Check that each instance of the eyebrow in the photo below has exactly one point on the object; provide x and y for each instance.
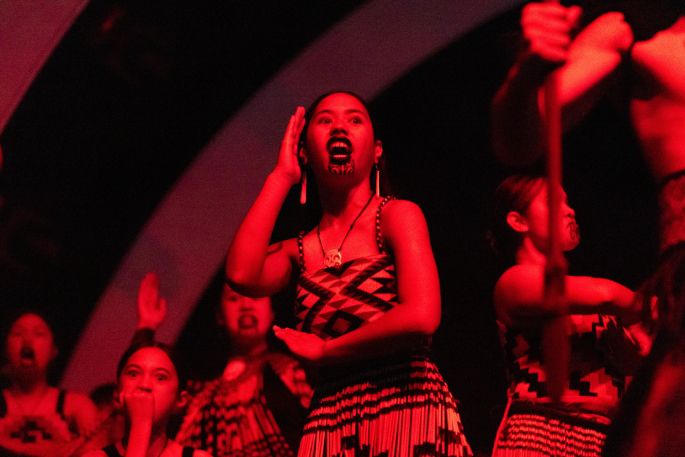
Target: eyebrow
(347, 111)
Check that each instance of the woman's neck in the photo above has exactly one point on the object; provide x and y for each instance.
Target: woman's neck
(28, 386)
(249, 351)
(339, 205)
(157, 443)
(529, 254)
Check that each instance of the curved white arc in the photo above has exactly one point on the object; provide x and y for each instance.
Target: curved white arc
(30, 30)
(186, 238)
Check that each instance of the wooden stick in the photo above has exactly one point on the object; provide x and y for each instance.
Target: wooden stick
(555, 343)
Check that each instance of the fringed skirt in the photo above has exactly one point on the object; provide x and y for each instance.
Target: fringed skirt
(542, 432)
(223, 422)
(392, 408)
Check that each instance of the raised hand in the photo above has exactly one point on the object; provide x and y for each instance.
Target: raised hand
(306, 346)
(151, 307)
(547, 29)
(288, 164)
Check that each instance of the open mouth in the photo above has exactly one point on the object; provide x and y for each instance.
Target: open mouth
(247, 321)
(27, 355)
(339, 150)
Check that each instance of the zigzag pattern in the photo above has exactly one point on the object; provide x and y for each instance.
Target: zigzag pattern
(333, 301)
(592, 375)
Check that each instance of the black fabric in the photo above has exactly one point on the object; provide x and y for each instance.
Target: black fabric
(285, 407)
(61, 397)
(111, 451)
(143, 336)
(3, 404)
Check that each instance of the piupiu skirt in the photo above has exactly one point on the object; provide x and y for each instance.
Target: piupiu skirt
(393, 407)
(532, 431)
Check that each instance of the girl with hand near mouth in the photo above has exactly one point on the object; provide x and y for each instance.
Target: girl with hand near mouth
(368, 295)
(37, 419)
(149, 390)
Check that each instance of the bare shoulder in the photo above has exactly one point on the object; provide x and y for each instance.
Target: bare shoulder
(519, 283)
(76, 403)
(400, 213)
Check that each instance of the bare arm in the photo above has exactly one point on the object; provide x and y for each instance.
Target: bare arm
(253, 267)
(82, 410)
(585, 64)
(416, 316)
(519, 295)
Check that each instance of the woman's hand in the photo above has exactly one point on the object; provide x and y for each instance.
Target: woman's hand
(151, 307)
(306, 346)
(288, 165)
(547, 30)
(140, 406)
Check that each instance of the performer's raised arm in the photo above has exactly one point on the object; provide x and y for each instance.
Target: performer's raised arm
(586, 62)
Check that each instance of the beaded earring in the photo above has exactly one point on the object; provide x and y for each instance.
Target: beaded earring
(378, 179)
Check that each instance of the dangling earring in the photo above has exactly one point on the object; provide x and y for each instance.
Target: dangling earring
(303, 187)
(378, 179)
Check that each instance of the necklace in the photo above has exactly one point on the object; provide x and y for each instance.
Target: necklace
(333, 257)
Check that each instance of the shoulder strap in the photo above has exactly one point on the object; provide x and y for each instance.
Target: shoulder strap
(187, 451)
(379, 210)
(61, 397)
(300, 250)
(111, 451)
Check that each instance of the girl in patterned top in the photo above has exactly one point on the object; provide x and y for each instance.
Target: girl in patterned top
(368, 295)
(603, 352)
(37, 419)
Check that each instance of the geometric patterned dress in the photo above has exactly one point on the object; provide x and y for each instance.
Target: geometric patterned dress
(603, 356)
(398, 405)
(238, 418)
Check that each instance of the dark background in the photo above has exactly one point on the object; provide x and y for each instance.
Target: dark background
(136, 89)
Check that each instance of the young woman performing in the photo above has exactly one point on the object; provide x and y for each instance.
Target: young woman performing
(603, 353)
(368, 295)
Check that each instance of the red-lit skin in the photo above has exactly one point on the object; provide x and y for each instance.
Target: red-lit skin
(149, 392)
(247, 321)
(587, 65)
(246, 339)
(28, 383)
(151, 306)
(519, 291)
(255, 268)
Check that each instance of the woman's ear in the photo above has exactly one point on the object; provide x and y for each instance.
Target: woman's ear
(378, 151)
(302, 153)
(517, 222)
(183, 400)
(118, 399)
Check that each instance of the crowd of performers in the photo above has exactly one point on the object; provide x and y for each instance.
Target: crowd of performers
(368, 295)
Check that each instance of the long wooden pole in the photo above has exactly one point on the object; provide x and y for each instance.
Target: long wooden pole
(555, 343)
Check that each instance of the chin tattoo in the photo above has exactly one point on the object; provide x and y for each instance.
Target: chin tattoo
(341, 169)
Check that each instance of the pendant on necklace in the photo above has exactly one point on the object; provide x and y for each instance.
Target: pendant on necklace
(333, 258)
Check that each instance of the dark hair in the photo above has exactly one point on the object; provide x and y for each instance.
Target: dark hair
(515, 193)
(168, 350)
(103, 394)
(309, 113)
(385, 184)
(667, 284)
